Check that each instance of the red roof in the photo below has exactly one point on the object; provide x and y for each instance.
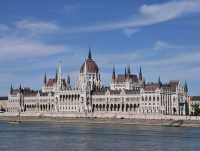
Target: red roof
(51, 82)
(195, 98)
(173, 85)
(151, 87)
(90, 65)
(123, 78)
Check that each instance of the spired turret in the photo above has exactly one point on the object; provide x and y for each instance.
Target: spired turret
(113, 73)
(68, 80)
(125, 73)
(129, 70)
(140, 74)
(159, 82)
(45, 79)
(186, 87)
(11, 89)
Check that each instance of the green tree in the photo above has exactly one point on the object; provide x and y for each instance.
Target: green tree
(196, 109)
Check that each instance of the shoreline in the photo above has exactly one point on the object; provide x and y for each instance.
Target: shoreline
(113, 121)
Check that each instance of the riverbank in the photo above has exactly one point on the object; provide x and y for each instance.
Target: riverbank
(67, 120)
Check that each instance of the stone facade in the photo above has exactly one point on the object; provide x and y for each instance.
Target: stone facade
(128, 94)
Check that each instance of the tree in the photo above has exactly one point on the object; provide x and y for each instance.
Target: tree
(196, 110)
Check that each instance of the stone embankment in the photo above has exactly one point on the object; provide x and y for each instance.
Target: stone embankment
(102, 118)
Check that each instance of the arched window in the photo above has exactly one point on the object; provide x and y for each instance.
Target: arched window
(97, 107)
(93, 107)
(107, 107)
(111, 107)
(118, 107)
(104, 107)
(127, 107)
(115, 107)
(122, 107)
(150, 98)
(100, 107)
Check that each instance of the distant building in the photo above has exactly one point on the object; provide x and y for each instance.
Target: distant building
(128, 93)
(3, 103)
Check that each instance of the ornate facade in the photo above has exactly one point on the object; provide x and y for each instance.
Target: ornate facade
(127, 93)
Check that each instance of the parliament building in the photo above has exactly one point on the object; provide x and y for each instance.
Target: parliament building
(128, 93)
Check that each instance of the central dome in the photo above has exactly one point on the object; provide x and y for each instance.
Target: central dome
(91, 65)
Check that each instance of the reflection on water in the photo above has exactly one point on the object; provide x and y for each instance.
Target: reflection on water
(96, 137)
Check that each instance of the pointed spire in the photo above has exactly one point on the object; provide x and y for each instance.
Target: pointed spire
(68, 80)
(140, 74)
(56, 77)
(45, 78)
(113, 73)
(60, 69)
(20, 88)
(159, 82)
(129, 69)
(58, 72)
(185, 87)
(89, 54)
(125, 73)
(11, 89)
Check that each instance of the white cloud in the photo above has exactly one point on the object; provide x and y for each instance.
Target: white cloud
(13, 48)
(130, 31)
(37, 27)
(176, 60)
(148, 15)
(160, 45)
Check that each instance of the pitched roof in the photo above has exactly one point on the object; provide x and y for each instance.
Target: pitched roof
(51, 82)
(173, 85)
(29, 92)
(195, 98)
(122, 78)
(151, 87)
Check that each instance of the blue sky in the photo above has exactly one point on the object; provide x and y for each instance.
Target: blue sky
(163, 36)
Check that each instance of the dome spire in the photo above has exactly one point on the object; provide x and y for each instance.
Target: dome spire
(89, 54)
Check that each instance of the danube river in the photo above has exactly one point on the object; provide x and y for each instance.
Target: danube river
(96, 137)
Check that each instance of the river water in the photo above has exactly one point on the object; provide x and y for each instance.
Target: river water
(96, 137)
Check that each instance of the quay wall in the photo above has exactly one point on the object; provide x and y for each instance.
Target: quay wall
(102, 115)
